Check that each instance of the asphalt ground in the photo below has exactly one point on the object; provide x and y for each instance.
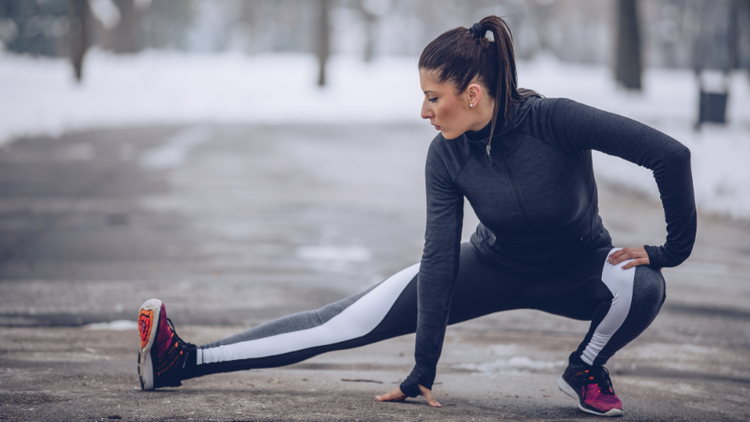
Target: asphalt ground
(234, 225)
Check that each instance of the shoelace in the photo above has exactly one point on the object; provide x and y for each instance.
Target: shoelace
(598, 375)
(181, 341)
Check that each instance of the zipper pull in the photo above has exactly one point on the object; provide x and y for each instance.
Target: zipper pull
(489, 157)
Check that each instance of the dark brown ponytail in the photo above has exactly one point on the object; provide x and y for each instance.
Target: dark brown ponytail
(459, 56)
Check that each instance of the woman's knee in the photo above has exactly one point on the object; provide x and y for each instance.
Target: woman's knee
(649, 288)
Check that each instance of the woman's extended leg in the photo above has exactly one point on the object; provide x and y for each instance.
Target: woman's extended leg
(386, 310)
(383, 311)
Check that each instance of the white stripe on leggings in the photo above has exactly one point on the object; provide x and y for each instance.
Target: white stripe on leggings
(355, 321)
(620, 283)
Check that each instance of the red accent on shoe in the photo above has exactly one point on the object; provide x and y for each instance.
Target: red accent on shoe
(163, 334)
(145, 322)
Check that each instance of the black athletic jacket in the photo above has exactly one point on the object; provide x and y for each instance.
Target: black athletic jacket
(536, 198)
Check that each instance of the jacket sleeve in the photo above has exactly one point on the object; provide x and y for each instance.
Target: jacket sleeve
(579, 128)
(437, 272)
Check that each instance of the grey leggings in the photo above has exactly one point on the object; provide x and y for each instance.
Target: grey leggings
(620, 304)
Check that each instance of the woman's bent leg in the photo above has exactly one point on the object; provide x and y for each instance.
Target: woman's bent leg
(638, 295)
(620, 304)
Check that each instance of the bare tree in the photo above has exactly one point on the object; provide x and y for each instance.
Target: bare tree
(372, 11)
(124, 40)
(628, 65)
(370, 27)
(743, 35)
(322, 38)
(79, 35)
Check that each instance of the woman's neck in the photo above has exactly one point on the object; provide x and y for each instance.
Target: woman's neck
(478, 135)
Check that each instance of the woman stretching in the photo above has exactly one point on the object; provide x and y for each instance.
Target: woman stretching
(524, 164)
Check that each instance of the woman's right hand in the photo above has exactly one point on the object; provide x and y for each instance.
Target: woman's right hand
(397, 395)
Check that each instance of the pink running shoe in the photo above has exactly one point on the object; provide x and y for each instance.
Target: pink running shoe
(591, 386)
(163, 353)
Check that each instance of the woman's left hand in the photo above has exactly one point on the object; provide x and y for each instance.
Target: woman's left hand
(638, 256)
(397, 395)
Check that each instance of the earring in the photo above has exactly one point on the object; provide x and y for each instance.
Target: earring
(471, 105)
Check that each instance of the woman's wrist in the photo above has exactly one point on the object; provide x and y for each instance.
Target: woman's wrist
(411, 389)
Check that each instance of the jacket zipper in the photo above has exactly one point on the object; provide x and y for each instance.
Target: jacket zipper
(489, 156)
(516, 191)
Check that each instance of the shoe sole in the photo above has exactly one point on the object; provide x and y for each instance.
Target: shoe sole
(567, 389)
(145, 363)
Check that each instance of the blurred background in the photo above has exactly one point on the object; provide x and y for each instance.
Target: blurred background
(694, 34)
(679, 65)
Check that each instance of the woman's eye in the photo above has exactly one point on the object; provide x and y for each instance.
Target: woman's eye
(433, 99)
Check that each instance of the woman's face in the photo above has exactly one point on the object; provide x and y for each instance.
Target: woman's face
(448, 112)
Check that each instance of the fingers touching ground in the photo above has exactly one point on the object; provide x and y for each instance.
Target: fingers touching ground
(397, 395)
(427, 393)
(393, 395)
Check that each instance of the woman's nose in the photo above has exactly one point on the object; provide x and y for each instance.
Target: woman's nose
(426, 112)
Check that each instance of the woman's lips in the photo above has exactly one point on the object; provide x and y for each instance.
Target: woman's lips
(437, 127)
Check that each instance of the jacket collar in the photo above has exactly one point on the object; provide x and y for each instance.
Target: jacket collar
(481, 138)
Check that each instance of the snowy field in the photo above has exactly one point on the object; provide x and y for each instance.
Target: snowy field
(39, 97)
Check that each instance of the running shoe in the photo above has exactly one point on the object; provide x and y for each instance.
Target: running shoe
(591, 386)
(163, 353)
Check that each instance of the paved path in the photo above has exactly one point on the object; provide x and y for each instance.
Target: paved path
(234, 225)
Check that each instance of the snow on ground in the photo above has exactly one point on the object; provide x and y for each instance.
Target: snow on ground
(39, 96)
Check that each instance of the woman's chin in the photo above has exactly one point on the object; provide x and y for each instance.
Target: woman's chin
(447, 134)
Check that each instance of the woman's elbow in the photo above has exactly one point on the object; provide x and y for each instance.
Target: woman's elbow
(681, 153)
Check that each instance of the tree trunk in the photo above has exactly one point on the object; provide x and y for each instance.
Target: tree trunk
(742, 35)
(79, 15)
(322, 38)
(370, 28)
(628, 65)
(125, 31)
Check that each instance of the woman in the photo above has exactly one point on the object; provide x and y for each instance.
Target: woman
(524, 163)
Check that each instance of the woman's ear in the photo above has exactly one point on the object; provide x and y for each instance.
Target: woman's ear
(474, 92)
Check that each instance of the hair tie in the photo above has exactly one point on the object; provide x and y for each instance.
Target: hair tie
(478, 30)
